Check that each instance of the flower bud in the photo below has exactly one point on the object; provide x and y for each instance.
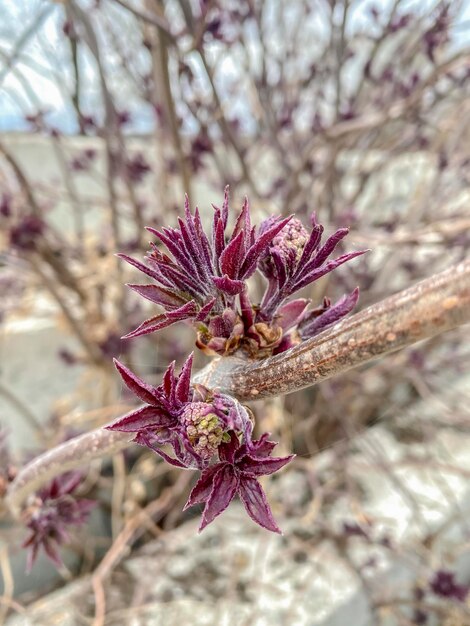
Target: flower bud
(292, 237)
(288, 244)
(204, 428)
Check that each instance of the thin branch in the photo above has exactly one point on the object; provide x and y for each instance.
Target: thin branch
(220, 110)
(160, 61)
(132, 530)
(377, 119)
(22, 180)
(69, 182)
(339, 47)
(69, 455)
(63, 272)
(24, 39)
(225, 126)
(150, 18)
(89, 347)
(22, 409)
(399, 108)
(9, 582)
(434, 305)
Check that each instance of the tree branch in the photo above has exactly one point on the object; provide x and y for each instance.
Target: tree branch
(430, 307)
(67, 456)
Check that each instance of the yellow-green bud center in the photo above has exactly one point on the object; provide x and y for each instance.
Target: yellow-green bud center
(203, 428)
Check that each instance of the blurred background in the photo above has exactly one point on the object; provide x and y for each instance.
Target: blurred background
(111, 110)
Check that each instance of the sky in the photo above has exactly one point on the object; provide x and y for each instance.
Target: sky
(33, 80)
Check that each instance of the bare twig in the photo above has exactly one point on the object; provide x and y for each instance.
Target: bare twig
(24, 39)
(160, 59)
(90, 348)
(376, 119)
(8, 582)
(150, 18)
(75, 200)
(22, 180)
(132, 530)
(22, 408)
(67, 456)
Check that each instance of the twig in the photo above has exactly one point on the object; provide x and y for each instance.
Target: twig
(220, 114)
(118, 493)
(22, 180)
(90, 348)
(8, 583)
(339, 47)
(62, 271)
(225, 126)
(133, 528)
(150, 18)
(22, 408)
(25, 38)
(399, 108)
(160, 62)
(395, 111)
(436, 233)
(75, 200)
(69, 455)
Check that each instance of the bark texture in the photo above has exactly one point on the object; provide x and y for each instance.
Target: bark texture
(424, 310)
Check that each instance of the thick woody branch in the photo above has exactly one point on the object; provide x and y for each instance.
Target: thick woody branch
(426, 309)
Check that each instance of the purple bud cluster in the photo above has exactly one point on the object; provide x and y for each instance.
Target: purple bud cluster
(24, 230)
(50, 514)
(136, 168)
(444, 585)
(204, 281)
(193, 428)
(204, 429)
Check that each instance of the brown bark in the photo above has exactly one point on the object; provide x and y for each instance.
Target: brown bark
(430, 307)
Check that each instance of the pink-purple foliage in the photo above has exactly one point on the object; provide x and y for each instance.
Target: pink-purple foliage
(443, 584)
(206, 431)
(237, 472)
(55, 508)
(204, 281)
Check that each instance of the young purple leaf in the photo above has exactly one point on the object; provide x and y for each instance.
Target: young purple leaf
(49, 518)
(314, 324)
(224, 487)
(256, 504)
(237, 472)
(203, 279)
